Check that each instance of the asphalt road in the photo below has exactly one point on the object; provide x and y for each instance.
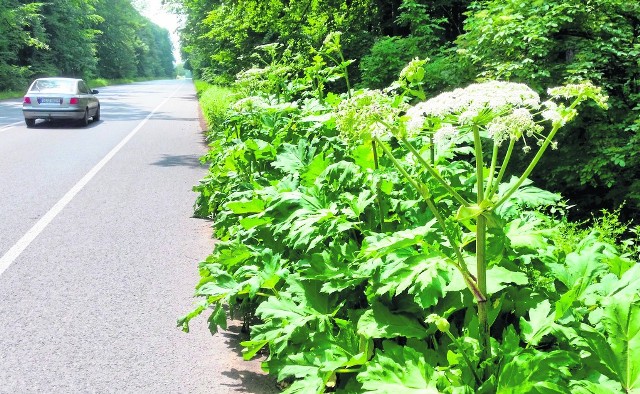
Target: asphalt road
(99, 252)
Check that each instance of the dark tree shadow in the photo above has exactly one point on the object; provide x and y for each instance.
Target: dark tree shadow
(191, 161)
(248, 381)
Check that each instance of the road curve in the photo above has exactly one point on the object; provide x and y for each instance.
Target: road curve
(99, 252)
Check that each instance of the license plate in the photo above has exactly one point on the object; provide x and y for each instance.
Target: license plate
(49, 100)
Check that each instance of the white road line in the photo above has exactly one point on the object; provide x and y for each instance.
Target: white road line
(9, 126)
(48, 217)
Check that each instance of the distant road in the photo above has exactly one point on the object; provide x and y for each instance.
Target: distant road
(99, 252)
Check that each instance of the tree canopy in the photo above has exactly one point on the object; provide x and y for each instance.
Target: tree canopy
(542, 43)
(79, 38)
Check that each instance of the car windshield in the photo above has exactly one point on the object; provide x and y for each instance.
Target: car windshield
(54, 86)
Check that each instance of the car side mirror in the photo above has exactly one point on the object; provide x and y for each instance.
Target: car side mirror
(94, 91)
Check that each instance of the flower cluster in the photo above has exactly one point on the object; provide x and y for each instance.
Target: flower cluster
(515, 125)
(581, 91)
(258, 103)
(475, 104)
(249, 103)
(368, 114)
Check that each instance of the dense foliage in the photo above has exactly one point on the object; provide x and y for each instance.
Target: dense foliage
(79, 38)
(541, 43)
(373, 241)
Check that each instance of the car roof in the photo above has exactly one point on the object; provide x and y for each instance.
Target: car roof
(57, 79)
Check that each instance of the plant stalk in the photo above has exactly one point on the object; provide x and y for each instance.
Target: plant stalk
(469, 279)
(481, 238)
(434, 173)
(503, 169)
(531, 165)
(378, 191)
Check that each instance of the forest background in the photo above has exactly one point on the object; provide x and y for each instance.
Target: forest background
(88, 39)
(541, 43)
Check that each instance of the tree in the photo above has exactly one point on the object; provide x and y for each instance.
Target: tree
(546, 43)
(21, 31)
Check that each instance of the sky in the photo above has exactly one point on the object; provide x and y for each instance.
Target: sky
(154, 10)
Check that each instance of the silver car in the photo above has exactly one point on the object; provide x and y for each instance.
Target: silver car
(60, 98)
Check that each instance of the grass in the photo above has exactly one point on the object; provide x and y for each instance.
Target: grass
(214, 101)
(10, 95)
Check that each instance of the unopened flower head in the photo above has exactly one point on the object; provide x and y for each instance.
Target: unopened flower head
(249, 103)
(413, 72)
(445, 134)
(552, 113)
(331, 42)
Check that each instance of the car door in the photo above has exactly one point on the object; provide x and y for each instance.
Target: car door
(87, 97)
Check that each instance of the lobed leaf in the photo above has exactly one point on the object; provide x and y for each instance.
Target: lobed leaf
(381, 322)
(398, 369)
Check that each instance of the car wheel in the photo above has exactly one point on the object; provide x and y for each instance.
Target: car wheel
(85, 120)
(96, 116)
(30, 122)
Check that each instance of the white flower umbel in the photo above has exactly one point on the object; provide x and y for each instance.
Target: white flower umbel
(514, 125)
(477, 104)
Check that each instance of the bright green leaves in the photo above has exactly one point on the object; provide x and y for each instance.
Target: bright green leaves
(540, 323)
(580, 270)
(622, 324)
(380, 322)
(398, 369)
(361, 261)
(614, 352)
(423, 276)
(532, 371)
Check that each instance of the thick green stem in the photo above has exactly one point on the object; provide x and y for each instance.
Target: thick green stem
(378, 191)
(432, 150)
(481, 236)
(346, 75)
(531, 165)
(434, 173)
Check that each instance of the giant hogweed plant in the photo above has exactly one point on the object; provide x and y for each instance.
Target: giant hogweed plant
(501, 113)
(362, 261)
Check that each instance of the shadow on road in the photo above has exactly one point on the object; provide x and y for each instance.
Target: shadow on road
(191, 161)
(250, 380)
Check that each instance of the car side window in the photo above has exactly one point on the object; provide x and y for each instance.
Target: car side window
(82, 87)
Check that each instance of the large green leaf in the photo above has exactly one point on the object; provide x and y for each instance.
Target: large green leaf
(580, 270)
(529, 195)
(424, 276)
(527, 233)
(293, 158)
(540, 323)
(614, 347)
(532, 371)
(622, 323)
(316, 167)
(380, 322)
(396, 369)
(242, 207)
(381, 244)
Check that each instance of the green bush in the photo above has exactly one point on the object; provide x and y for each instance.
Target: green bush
(215, 101)
(387, 57)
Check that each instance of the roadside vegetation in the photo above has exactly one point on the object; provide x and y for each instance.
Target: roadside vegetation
(416, 227)
(90, 39)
